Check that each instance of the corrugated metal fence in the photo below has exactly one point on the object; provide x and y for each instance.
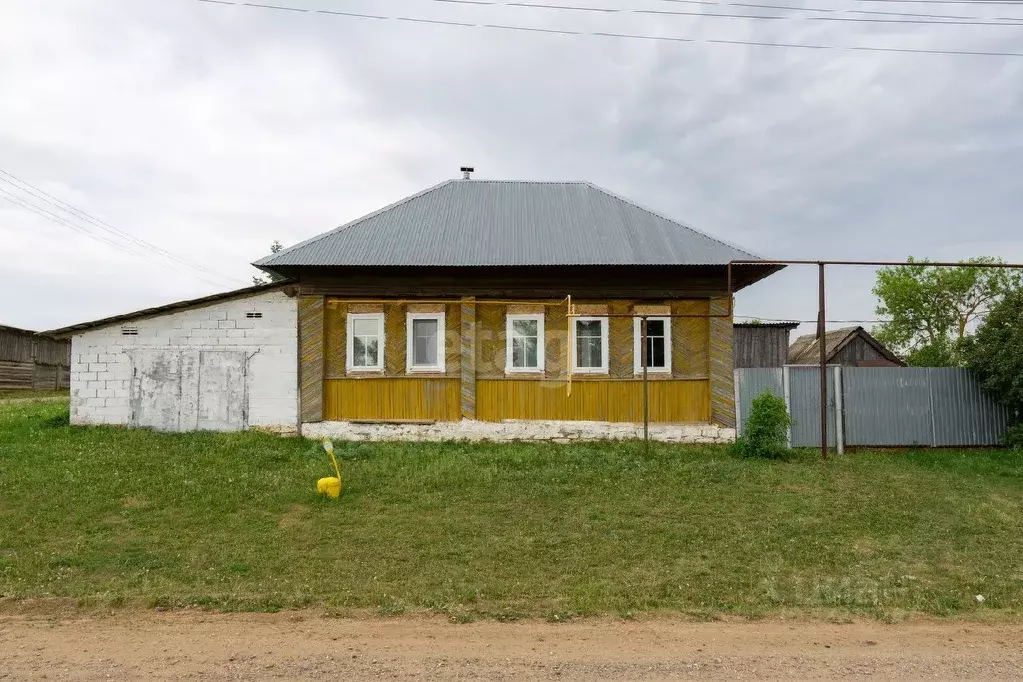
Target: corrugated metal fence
(880, 406)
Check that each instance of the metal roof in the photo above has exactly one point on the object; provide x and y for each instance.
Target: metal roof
(166, 308)
(500, 223)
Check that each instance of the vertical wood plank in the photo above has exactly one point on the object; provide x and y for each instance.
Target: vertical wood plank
(310, 326)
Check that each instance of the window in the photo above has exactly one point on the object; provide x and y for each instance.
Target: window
(589, 345)
(365, 343)
(425, 332)
(525, 341)
(658, 344)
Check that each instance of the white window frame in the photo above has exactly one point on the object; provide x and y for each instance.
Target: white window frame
(410, 341)
(637, 346)
(540, 343)
(576, 369)
(350, 343)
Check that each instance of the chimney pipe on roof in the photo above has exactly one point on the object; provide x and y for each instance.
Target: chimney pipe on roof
(467, 172)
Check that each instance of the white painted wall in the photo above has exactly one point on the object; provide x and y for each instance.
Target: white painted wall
(104, 360)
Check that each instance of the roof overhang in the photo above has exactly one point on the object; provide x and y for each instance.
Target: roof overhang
(65, 332)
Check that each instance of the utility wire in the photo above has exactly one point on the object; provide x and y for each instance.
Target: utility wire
(711, 15)
(602, 34)
(79, 214)
(54, 218)
(829, 10)
(1004, 3)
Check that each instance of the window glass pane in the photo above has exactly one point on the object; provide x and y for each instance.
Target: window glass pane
(358, 352)
(588, 344)
(655, 351)
(588, 351)
(524, 327)
(365, 327)
(424, 342)
(524, 352)
(584, 328)
(655, 327)
(372, 346)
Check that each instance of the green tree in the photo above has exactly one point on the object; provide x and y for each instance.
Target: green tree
(995, 355)
(931, 310)
(266, 279)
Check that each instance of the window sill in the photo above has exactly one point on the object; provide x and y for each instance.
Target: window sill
(425, 370)
(532, 371)
(367, 371)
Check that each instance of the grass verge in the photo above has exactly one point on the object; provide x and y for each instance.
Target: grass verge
(231, 521)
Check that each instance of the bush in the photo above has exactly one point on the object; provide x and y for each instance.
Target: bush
(765, 433)
(1014, 437)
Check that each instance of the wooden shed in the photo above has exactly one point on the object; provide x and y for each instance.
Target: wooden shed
(849, 347)
(28, 360)
(761, 344)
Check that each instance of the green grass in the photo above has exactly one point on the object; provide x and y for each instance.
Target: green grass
(231, 521)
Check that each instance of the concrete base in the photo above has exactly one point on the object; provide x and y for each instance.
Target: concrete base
(554, 431)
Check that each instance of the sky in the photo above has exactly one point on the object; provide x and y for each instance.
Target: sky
(207, 131)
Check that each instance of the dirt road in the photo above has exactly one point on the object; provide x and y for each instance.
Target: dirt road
(308, 645)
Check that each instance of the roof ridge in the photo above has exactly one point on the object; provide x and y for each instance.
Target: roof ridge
(353, 223)
(672, 220)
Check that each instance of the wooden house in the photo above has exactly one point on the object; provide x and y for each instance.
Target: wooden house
(761, 344)
(849, 347)
(31, 361)
(477, 309)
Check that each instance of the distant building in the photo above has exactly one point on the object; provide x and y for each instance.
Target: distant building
(761, 344)
(31, 361)
(849, 347)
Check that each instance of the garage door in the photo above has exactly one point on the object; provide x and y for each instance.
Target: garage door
(188, 390)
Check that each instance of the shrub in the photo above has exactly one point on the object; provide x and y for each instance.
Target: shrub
(765, 433)
(1014, 437)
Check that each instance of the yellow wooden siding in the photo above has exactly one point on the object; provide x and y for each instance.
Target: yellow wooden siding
(617, 401)
(335, 319)
(620, 341)
(690, 340)
(685, 397)
(387, 398)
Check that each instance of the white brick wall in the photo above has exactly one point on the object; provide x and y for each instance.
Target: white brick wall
(102, 359)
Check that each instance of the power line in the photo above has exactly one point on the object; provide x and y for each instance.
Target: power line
(603, 34)
(54, 218)
(813, 321)
(79, 214)
(1004, 3)
(979, 21)
(831, 10)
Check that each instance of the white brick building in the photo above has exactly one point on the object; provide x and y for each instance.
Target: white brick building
(224, 362)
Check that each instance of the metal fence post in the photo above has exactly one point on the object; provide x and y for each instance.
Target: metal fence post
(839, 412)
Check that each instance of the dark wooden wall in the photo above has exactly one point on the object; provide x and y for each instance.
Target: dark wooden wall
(31, 361)
(760, 346)
(858, 352)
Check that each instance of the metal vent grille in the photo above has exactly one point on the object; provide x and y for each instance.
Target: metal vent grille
(129, 331)
(253, 315)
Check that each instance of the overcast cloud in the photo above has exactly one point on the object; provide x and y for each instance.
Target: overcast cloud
(211, 130)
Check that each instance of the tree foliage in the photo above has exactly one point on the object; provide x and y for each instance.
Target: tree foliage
(266, 279)
(933, 309)
(995, 355)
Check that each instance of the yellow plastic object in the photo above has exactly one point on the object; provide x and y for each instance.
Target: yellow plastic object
(330, 485)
